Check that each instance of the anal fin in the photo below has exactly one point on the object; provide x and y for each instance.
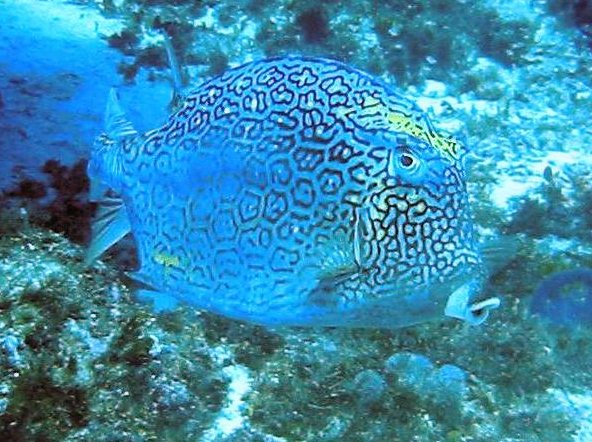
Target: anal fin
(161, 302)
(111, 223)
(97, 190)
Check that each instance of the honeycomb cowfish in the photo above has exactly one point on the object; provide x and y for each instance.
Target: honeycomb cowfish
(294, 191)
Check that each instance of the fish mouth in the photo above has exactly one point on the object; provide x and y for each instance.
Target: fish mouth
(458, 305)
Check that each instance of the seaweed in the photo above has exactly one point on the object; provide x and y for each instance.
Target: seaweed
(79, 359)
(576, 13)
(40, 410)
(126, 41)
(551, 212)
(28, 188)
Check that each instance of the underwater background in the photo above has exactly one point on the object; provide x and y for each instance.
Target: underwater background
(82, 359)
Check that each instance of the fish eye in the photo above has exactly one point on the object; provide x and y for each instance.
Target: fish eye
(406, 160)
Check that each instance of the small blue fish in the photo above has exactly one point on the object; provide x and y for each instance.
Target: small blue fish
(294, 191)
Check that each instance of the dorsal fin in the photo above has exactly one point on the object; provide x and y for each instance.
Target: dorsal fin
(178, 95)
(111, 223)
(117, 125)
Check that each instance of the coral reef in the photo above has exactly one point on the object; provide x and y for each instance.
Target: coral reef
(552, 210)
(339, 385)
(369, 387)
(415, 43)
(80, 360)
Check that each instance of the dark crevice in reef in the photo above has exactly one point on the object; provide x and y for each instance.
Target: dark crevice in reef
(313, 25)
(70, 212)
(59, 203)
(65, 408)
(575, 12)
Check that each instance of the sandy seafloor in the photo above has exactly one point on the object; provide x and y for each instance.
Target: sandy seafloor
(55, 72)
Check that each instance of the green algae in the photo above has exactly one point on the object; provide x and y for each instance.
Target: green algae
(87, 358)
(301, 398)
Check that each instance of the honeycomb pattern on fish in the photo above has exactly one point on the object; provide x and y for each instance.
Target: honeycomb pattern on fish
(297, 181)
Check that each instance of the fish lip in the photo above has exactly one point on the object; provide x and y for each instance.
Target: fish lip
(458, 305)
(480, 310)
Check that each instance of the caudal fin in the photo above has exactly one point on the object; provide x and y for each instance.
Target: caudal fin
(111, 223)
(117, 126)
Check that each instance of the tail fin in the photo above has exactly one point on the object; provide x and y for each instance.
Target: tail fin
(110, 224)
(105, 171)
(117, 125)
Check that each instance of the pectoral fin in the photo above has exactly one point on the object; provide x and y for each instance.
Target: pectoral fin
(336, 257)
(332, 263)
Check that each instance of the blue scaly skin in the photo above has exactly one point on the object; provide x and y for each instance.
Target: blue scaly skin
(298, 191)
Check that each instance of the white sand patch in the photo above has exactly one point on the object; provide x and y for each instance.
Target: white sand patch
(579, 406)
(509, 187)
(55, 19)
(231, 417)
(511, 184)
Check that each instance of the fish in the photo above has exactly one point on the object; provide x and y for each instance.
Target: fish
(293, 191)
(565, 297)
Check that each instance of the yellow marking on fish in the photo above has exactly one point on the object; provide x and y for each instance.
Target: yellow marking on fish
(402, 123)
(448, 146)
(167, 260)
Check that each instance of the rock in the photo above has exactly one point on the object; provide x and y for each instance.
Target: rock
(9, 348)
(450, 383)
(369, 386)
(412, 371)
